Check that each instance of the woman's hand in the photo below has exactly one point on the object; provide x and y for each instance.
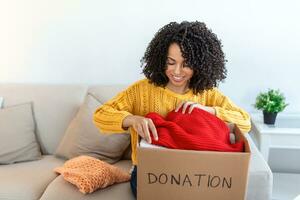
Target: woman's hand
(141, 125)
(192, 105)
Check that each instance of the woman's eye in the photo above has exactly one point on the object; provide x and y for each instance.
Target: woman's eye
(170, 63)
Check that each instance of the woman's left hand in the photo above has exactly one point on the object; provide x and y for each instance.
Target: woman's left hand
(192, 105)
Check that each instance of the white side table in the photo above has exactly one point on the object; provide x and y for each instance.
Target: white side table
(284, 134)
(297, 197)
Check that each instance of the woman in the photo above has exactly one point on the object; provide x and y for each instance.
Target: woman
(183, 64)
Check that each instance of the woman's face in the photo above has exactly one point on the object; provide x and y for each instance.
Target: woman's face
(177, 70)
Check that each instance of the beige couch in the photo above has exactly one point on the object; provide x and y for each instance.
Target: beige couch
(54, 107)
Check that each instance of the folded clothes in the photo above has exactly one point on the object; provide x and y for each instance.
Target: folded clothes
(199, 130)
(90, 174)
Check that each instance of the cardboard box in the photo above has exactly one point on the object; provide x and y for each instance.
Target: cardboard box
(185, 174)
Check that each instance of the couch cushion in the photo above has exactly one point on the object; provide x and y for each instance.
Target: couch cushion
(83, 138)
(17, 132)
(54, 106)
(60, 189)
(127, 154)
(27, 180)
(105, 92)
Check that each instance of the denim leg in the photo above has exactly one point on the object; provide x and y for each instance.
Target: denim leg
(133, 181)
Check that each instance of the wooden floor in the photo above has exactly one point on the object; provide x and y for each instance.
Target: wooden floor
(286, 186)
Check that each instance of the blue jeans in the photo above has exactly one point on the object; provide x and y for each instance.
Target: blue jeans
(133, 181)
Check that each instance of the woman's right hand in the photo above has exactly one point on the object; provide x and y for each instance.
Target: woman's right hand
(142, 126)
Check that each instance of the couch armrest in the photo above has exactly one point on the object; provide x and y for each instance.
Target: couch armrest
(260, 181)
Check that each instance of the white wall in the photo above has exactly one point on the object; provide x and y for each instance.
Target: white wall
(71, 41)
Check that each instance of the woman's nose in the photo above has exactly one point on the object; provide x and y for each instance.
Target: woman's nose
(177, 69)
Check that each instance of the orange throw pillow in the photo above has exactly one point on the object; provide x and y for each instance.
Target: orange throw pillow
(90, 174)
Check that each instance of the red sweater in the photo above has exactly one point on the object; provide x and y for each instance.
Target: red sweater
(199, 130)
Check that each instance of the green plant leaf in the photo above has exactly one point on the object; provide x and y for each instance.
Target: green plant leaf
(272, 101)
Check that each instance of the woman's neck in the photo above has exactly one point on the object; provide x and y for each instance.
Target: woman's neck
(178, 90)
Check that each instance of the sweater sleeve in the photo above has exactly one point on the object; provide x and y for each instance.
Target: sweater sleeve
(108, 118)
(228, 111)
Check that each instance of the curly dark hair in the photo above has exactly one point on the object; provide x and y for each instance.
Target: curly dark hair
(200, 48)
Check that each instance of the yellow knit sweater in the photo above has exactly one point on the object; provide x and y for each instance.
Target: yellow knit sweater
(143, 97)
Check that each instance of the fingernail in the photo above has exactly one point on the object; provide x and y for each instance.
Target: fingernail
(156, 138)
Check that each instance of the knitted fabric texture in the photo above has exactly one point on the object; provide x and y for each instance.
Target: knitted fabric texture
(199, 130)
(144, 97)
(90, 174)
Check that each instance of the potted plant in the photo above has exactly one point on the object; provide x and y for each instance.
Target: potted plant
(271, 103)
